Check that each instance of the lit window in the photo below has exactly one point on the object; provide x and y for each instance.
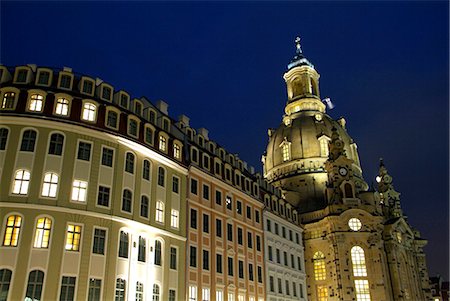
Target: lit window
(79, 190)
(159, 212)
(73, 237)
(34, 286)
(62, 107)
(139, 291)
(21, 182)
(177, 151)
(174, 223)
(362, 290)
(36, 102)
(192, 293)
(358, 262)
(89, 111)
(56, 144)
(162, 143)
(120, 289)
(285, 152)
(158, 252)
(324, 147)
(219, 295)
(205, 294)
(50, 186)
(354, 224)
(8, 100)
(28, 141)
(322, 293)
(42, 235)
(111, 119)
(319, 266)
(12, 231)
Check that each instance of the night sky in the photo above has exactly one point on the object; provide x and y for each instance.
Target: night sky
(384, 65)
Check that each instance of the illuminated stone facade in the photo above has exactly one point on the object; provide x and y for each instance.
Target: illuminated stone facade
(358, 244)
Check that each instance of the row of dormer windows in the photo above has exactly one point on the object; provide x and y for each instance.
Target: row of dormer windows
(281, 208)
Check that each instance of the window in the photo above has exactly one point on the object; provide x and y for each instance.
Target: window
(158, 251)
(12, 231)
(89, 111)
(159, 217)
(146, 170)
(259, 274)
(319, 266)
(103, 196)
(106, 93)
(278, 256)
(324, 147)
(358, 262)
(34, 286)
(123, 244)
(290, 235)
(230, 266)
(162, 143)
(8, 100)
(239, 232)
(249, 240)
(280, 288)
(98, 246)
(62, 107)
(205, 161)
(297, 238)
(173, 258)
(205, 260)
(283, 231)
(219, 263)
(258, 243)
(218, 228)
(294, 289)
(67, 289)
(95, 289)
(285, 257)
(155, 292)
(148, 135)
(194, 155)
(354, 224)
(28, 141)
(139, 291)
(206, 192)
(129, 163)
(229, 202)
(36, 103)
(276, 229)
(87, 86)
(192, 293)
(172, 295)
(193, 218)
(84, 151)
(112, 119)
(270, 253)
(42, 233)
(124, 100)
(271, 284)
(230, 232)
(249, 212)
(219, 295)
(107, 156)
(144, 206)
(161, 176)
(239, 207)
(73, 237)
(205, 223)
(176, 151)
(79, 191)
(166, 124)
(285, 152)
(174, 221)
(292, 261)
(362, 290)
(132, 127)
(299, 263)
(250, 272)
(287, 287)
(50, 186)
(141, 249)
(175, 184)
(43, 77)
(218, 197)
(3, 138)
(5, 281)
(56, 144)
(65, 81)
(126, 200)
(205, 294)
(21, 182)
(241, 269)
(268, 225)
(194, 186)
(193, 256)
(322, 293)
(120, 289)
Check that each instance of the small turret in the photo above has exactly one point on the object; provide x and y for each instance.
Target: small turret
(389, 196)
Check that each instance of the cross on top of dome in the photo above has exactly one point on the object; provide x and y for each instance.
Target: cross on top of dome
(297, 45)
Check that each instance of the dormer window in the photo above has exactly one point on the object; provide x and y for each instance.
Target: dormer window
(87, 87)
(112, 118)
(89, 111)
(200, 140)
(162, 143)
(62, 106)
(43, 78)
(138, 108)
(106, 93)
(132, 127)
(65, 81)
(124, 100)
(177, 151)
(36, 103)
(22, 76)
(286, 150)
(166, 124)
(8, 101)
(152, 116)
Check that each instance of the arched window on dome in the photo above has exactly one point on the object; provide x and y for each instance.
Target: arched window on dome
(285, 150)
(324, 150)
(313, 87)
(359, 272)
(319, 266)
(348, 190)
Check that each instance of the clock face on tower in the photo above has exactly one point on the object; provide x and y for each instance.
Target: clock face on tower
(343, 171)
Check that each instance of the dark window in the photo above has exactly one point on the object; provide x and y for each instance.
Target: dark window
(271, 284)
(276, 229)
(158, 247)
(146, 170)
(28, 141)
(229, 203)
(165, 125)
(239, 207)
(297, 238)
(22, 76)
(133, 127)
(290, 235)
(206, 192)
(280, 289)
(141, 249)
(67, 289)
(241, 268)
(285, 257)
(287, 287)
(270, 253)
(230, 266)
(299, 263)
(87, 86)
(205, 223)
(103, 196)
(123, 244)
(278, 256)
(144, 206)
(5, 281)
(95, 286)
(268, 225)
(66, 81)
(206, 260)
(219, 263)
(129, 163)
(124, 100)
(175, 184)
(120, 289)
(217, 168)
(137, 108)
(84, 151)
(348, 190)
(194, 186)
(34, 287)
(111, 119)
(56, 144)
(161, 176)
(193, 219)
(193, 257)
(98, 246)
(194, 155)
(173, 258)
(218, 228)
(283, 231)
(250, 272)
(148, 135)
(218, 197)
(239, 235)
(126, 200)
(106, 93)
(257, 216)
(258, 243)
(249, 240)
(152, 117)
(230, 232)
(206, 162)
(292, 261)
(107, 156)
(3, 138)
(44, 77)
(249, 212)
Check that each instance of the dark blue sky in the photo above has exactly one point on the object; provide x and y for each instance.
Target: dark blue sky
(384, 65)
